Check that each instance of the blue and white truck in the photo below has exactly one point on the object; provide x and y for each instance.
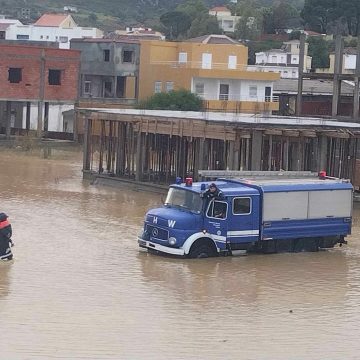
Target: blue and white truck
(258, 214)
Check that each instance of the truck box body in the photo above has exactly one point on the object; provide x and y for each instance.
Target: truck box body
(266, 215)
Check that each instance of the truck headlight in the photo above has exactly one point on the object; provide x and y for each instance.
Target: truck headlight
(172, 241)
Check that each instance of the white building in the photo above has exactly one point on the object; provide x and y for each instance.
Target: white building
(60, 28)
(284, 61)
(227, 22)
(348, 63)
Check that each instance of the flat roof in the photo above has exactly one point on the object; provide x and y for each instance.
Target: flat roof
(234, 118)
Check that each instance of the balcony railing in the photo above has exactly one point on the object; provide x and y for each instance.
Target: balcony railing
(201, 65)
(234, 97)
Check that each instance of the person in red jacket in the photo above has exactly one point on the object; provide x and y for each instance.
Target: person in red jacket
(5, 238)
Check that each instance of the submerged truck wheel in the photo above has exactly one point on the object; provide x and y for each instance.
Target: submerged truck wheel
(202, 248)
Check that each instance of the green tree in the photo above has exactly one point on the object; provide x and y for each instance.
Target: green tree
(350, 12)
(250, 23)
(176, 23)
(319, 14)
(204, 24)
(182, 100)
(193, 8)
(319, 51)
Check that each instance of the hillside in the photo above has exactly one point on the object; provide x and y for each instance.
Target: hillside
(109, 14)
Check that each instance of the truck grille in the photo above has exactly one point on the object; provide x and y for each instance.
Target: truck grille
(156, 232)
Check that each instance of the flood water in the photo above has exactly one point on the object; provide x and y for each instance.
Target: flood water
(80, 289)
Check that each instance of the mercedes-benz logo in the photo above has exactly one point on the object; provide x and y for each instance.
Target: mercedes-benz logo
(155, 232)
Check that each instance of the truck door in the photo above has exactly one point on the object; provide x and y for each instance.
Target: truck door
(215, 221)
(243, 220)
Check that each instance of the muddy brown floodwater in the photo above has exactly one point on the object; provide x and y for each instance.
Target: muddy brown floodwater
(80, 289)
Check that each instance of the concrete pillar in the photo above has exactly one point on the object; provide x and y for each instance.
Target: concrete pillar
(46, 117)
(8, 120)
(339, 49)
(256, 150)
(322, 153)
(200, 159)
(40, 121)
(41, 94)
(138, 172)
(357, 79)
(28, 115)
(301, 71)
(237, 154)
(87, 145)
(230, 159)
(285, 163)
(270, 152)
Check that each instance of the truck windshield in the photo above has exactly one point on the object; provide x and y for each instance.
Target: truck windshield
(184, 199)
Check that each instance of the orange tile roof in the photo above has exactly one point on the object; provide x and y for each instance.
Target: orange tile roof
(51, 20)
(220, 8)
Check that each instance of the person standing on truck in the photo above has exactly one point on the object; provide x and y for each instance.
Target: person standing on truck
(213, 192)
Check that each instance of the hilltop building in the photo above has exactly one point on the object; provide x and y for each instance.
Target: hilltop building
(59, 28)
(227, 22)
(284, 60)
(348, 62)
(139, 33)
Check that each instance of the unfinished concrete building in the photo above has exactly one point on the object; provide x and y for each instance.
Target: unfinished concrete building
(109, 71)
(36, 85)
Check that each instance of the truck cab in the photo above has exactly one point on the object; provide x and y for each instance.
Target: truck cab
(189, 225)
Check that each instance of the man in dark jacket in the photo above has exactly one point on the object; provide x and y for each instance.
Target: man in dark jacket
(5, 238)
(213, 192)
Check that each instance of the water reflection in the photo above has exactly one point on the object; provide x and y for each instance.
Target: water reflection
(5, 269)
(288, 278)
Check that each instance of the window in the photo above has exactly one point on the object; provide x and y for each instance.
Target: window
(108, 89)
(158, 87)
(41, 37)
(217, 209)
(253, 91)
(200, 89)
(15, 75)
(241, 206)
(2, 35)
(106, 55)
(22, 37)
(206, 61)
(54, 77)
(128, 56)
(87, 87)
(224, 92)
(182, 57)
(232, 62)
(169, 86)
(63, 39)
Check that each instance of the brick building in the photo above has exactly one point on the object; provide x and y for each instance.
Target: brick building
(36, 85)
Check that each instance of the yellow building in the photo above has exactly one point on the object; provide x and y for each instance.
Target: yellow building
(212, 66)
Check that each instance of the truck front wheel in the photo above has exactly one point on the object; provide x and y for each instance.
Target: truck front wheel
(202, 250)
